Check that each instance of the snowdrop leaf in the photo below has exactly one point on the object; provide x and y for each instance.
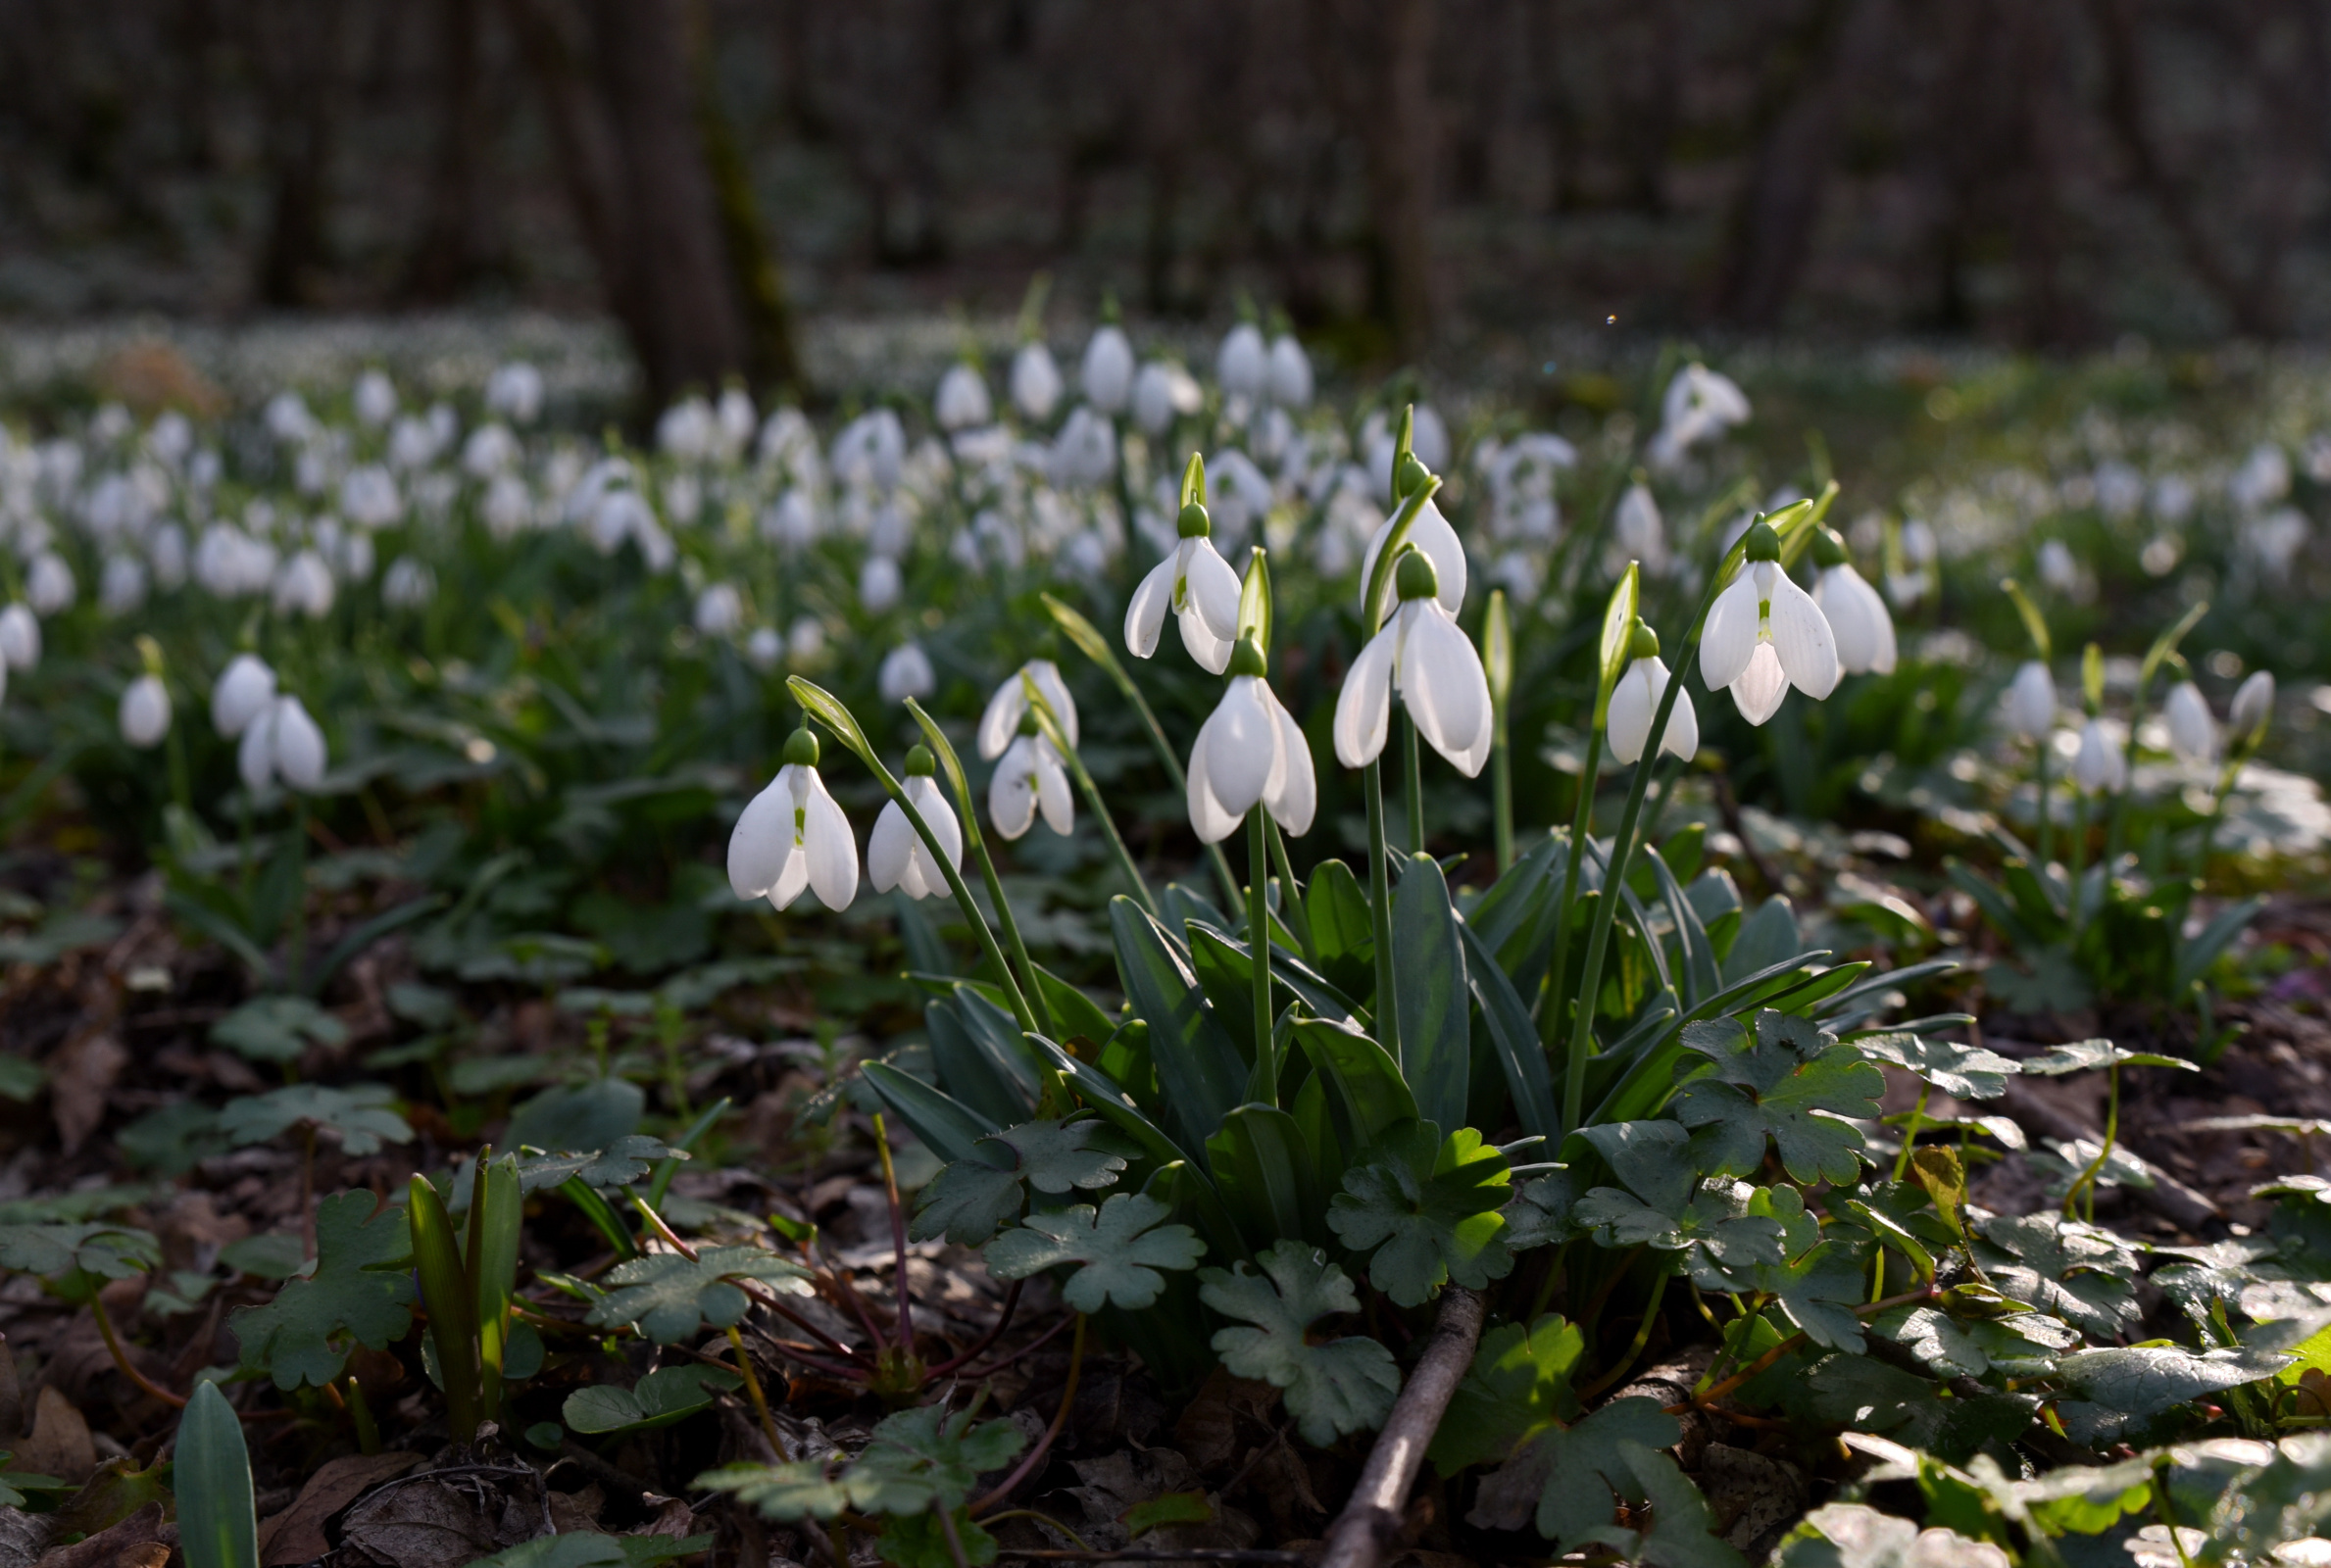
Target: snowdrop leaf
(2147, 1378)
(1428, 1209)
(277, 1029)
(1122, 1246)
(1200, 1071)
(358, 1117)
(1962, 1071)
(1332, 1388)
(1518, 1383)
(1793, 1084)
(1584, 1466)
(1436, 1041)
(658, 1399)
(358, 1295)
(666, 1296)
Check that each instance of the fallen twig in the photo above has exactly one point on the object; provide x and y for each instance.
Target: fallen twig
(1371, 1518)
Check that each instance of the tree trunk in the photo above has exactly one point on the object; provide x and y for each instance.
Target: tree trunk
(452, 248)
(1399, 172)
(774, 359)
(297, 47)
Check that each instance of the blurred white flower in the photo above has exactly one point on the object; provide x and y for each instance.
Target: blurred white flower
(508, 507)
(490, 450)
(1036, 383)
(281, 745)
(2275, 540)
(2252, 708)
(1106, 374)
(2193, 732)
(145, 712)
(20, 638)
(166, 549)
(879, 585)
(792, 521)
(1250, 751)
(1029, 778)
(1434, 667)
(2099, 765)
(515, 392)
(1000, 720)
(171, 439)
(906, 673)
(2264, 479)
(1242, 364)
(764, 648)
(2058, 569)
(412, 444)
(1084, 453)
(1289, 377)
(962, 401)
(49, 587)
(2031, 701)
(1858, 618)
(686, 430)
(1163, 392)
(369, 498)
(793, 836)
(719, 609)
(733, 419)
(2120, 490)
(805, 641)
(1699, 406)
(122, 586)
(304, 586)
(872, 451)
(409, 585)
(375, 398)
(1638, 533)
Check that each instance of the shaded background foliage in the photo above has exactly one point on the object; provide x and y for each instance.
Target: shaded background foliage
(1401, 174)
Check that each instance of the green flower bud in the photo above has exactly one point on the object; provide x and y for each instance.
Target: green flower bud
(1763, 543)
(1193, 523)
(1829, 549)
(920, 763)
(1644, 643)
(1414, 576)
(1246, 659)
(801, 748)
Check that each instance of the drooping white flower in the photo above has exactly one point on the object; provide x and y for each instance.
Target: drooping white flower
(733, 419)
(121, 585)
(719, 609)
(962, 401)
(906, 673)
(805, 641)
(1290, 374)
(1635, 702)
(1029, 778)
(281, 745)
(20, 637)
(243, 691)
(1700, 404)
(2193, 732)
(2100, 767)
(1084, 453)
(368, 497)
(1433, 535)
(793, 836)
(490, 450)
(685, 430)
(1162, 393)
(1107, 374)
(49, 587)
(1858, 617)
(1198, 586)
(410, 584)
(765, 649)
(304, 586)
(514, 391)
(375, 398)
(2031, 702)
(1638, 533)
(1765, 634)
(2057, 568)
(895, 855)
(1250, 752)
(1421, 655)
(2252, 706)
(879, 584)
(1000, 720)
(1036, 383)
(1242, 363)
(145, 713)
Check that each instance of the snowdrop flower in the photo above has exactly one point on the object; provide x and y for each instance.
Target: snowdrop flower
(1432, 536)
(1920, 550)
(1107, 374)
(409, 585)
(1765, 634)
(1198, 586)
(1162, 393)
(764, 649)
(906, 673)
(719, 609)
(243, 691)
(375, 398)
(1421, 655)
(1029, 778)
(20, 638)
(1084, 454)
(2099, 765)
(1428, 438)
(490, 450)
(49, 586)
(805, 641)
(1250, 752)
(2252, 706)
(368, 497)
(1000, 722)
(879, 584)
(288, 419)
(1036, 383)
(145, 713)
(1858, 617)
(793, 836)
(166, 549)
(895, 855)
(2031, 702)
(281, 745)
(121, 585)
(793, 523)
(1242, 364)
(514, 391)
(1289, 377)
(2058, 569)
(686, 430)
(1635, 702)
(962, 401)
(304, 585)
(2275, 540)
(171, 439)
(2264, 479)
(1638, 533)
(733, 420)
(508, 507)
(2193, 732)
(414, 443)
(1699, 406)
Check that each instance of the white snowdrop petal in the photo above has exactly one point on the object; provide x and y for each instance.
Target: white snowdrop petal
(2192, 733)
(298, 745)
(1145, 614)
(1761, 686)
(831, 851)
(889, 850)
(761, 840)
(1442, 684)
(1294, 799)
(1730, 639)
(1211, 589)
(1242, 741)
(1052, 789)
(1046, 676)
(1364, 707)
(1627, 722)
(1801, 636)
(1011, 789)
(999, 721)
(1682, 739)
(1432, 534)
(793, 877)
(255, 754)
(1207, 819)
(939, 817)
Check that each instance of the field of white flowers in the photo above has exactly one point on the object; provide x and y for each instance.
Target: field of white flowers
(1134, 945)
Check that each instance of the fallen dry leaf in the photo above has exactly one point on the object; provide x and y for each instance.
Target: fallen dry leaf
(296, 1534)
(81, 1074)
(141, 1541)
(60, 1444)
(446, 1519)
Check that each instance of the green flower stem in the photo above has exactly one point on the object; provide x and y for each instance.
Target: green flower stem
(837, 718)
(299, 894)
(2079, 857)
(1501, 797)
(1266, 1072)
(1910, 1133)
(1413, 783)
(2086, 1181)
(1291, 907)
(1551, 1018)
(2218, 810)
(2162, 651)
(1651, 1315)
(1095, 647)
(2047, 823)
(1050, 724)
(1379, 899)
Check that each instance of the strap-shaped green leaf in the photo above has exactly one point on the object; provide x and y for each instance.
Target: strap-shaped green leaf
(217, 1524)
(1436, 1036)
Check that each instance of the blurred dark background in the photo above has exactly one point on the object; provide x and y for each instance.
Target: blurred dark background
(1402, 176)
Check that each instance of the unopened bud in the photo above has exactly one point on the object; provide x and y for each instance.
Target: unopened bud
(1414, 576)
